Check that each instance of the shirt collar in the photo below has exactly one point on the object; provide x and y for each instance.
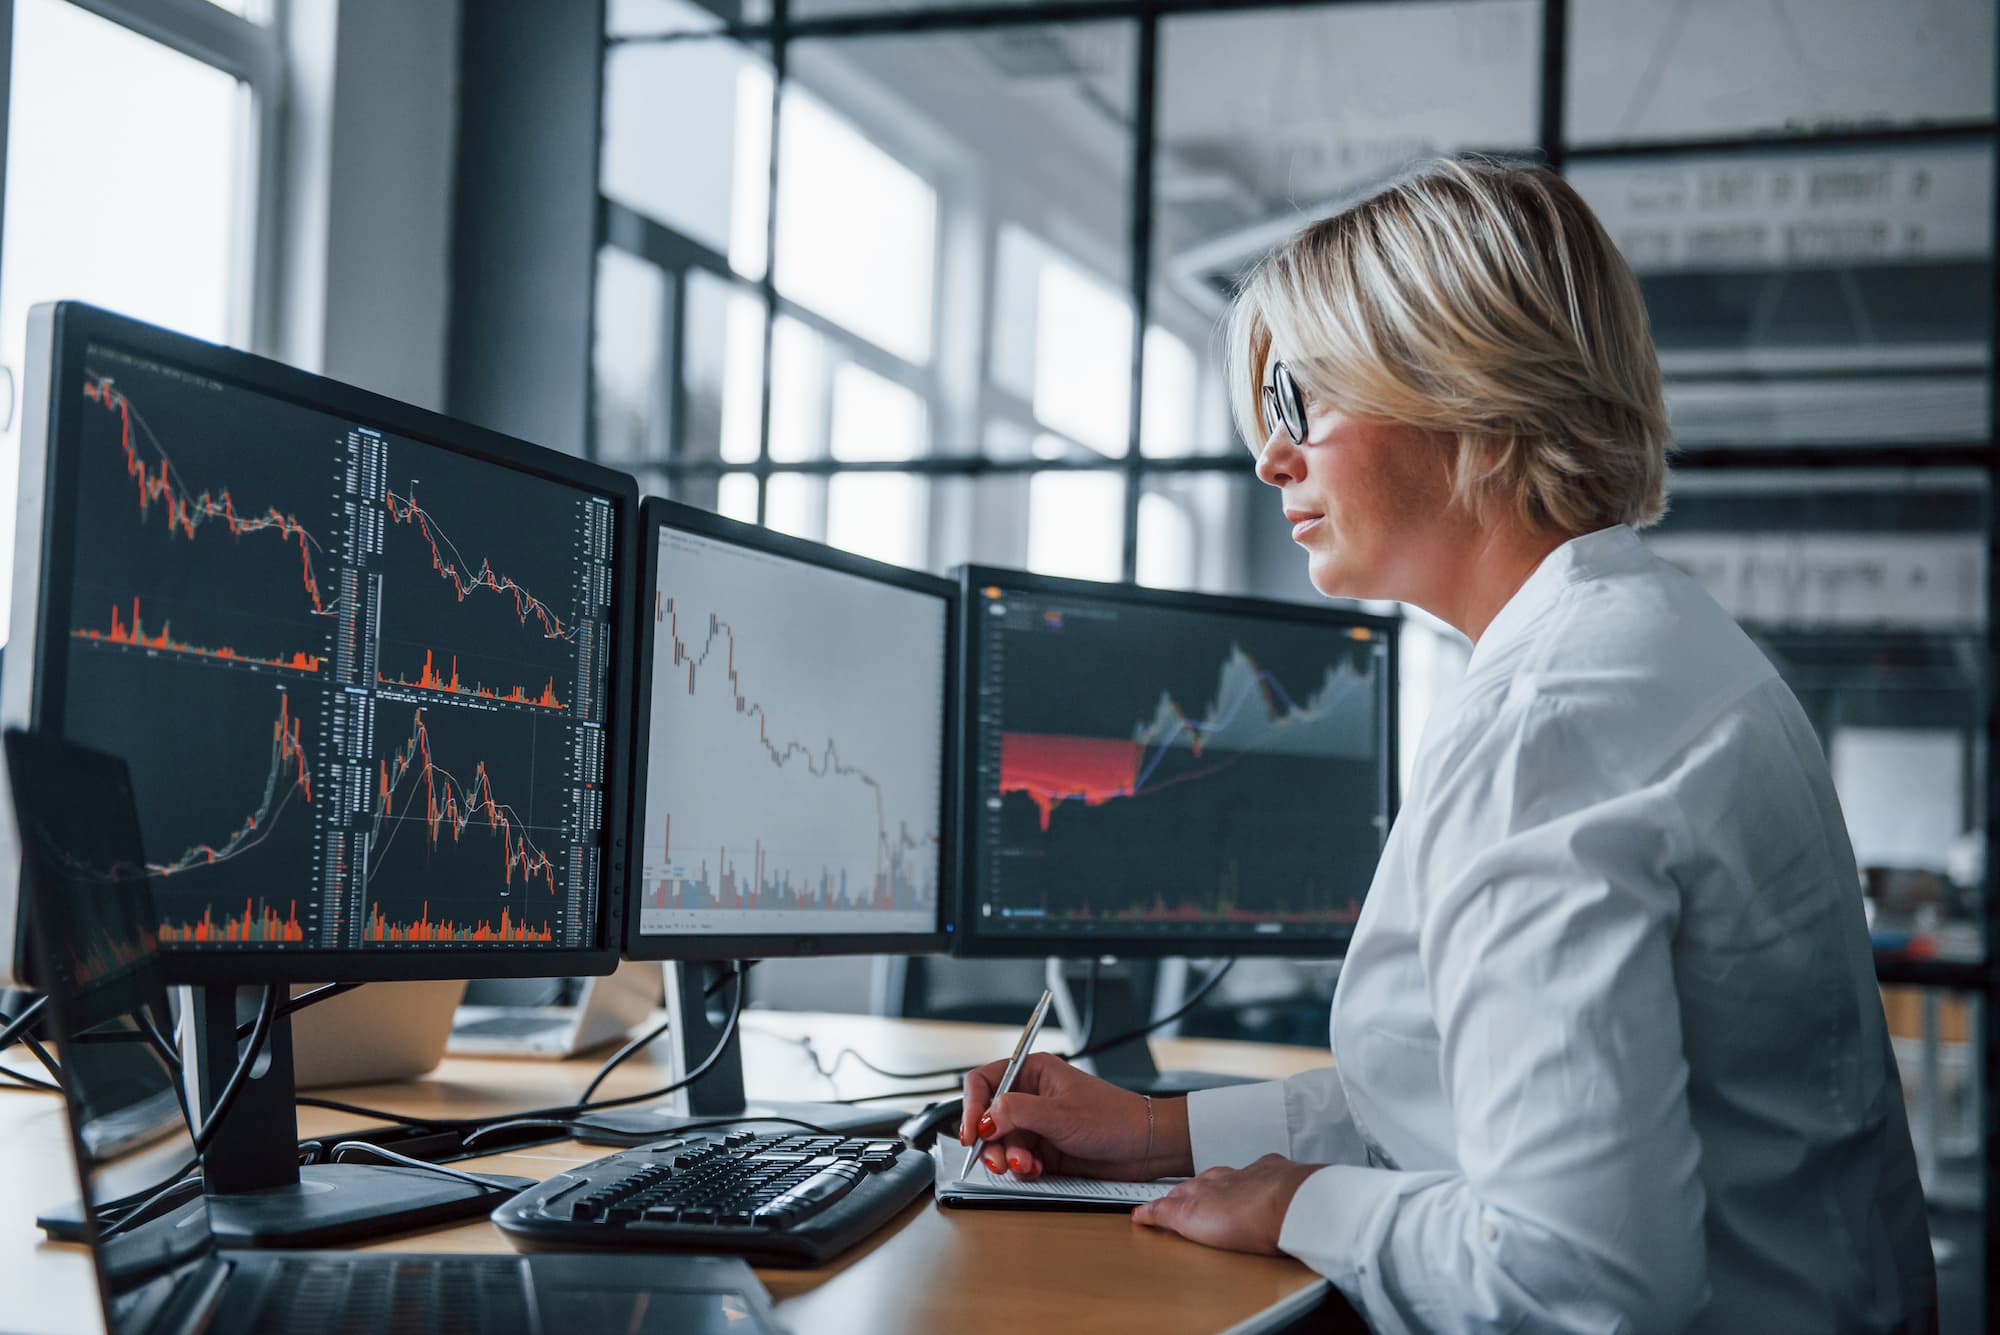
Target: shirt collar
(1587, 557)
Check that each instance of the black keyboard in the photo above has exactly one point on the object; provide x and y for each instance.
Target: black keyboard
(776, 1198)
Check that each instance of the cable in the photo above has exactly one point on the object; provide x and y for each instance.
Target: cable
(34, 1045)
(259, 1031)
(611, 1063)
(555, 1116)
(1207, 986)
(1090, 1001)
(901, 1094)
(364, 1147)
(291, 1005)
(25, 1081)
(11, 1031)
(571, 1123)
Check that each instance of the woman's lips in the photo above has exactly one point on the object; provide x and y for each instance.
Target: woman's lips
(1303, 522)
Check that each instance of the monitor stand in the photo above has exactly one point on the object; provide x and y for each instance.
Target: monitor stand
(257, 1193)
(693, 1029)
(1119, 1009)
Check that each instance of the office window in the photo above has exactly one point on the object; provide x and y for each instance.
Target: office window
(874, 418)
(1639, 70)
(856, 230)
(628, 359)
(795, 503)
(736, 497)
(132, 182)
(1837, 297)
(878, 514)
(1076, 524)
(722, 365)
(687, 140)
(1341, 97)
(800, 379)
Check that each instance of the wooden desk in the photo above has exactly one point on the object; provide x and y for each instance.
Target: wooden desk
(932, 1270)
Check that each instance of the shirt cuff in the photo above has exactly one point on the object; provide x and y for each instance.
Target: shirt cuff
(1237, 1125)
(1332, 1218)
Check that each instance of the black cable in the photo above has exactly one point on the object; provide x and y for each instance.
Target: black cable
(745, 967)
(405, 1161)
(1103, 1045)
(34, 1045)
(901, 1093)
(571, 1123)
(291, 1005)
(1090, 1001)
(267, 1014)
(25, 1081)
(612, 1062)
(555, 1116)
(12, 1029)
(260, 1029)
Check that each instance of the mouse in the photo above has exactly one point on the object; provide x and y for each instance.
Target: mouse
(922, 1128)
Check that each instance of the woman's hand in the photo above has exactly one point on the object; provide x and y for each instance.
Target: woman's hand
(1236, 1209)
(1057, 1119)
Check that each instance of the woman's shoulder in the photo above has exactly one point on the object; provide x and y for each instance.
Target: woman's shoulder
(1614, 676)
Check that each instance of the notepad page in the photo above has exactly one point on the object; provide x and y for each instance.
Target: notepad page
(981, 1180)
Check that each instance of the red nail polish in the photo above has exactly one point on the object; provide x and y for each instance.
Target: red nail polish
(986, 1126)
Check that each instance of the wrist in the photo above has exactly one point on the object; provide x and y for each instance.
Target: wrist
(1171, 1153)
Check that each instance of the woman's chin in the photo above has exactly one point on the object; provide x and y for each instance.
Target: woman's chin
(1329, 576)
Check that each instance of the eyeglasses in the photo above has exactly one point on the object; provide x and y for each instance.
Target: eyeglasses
(1283, 403)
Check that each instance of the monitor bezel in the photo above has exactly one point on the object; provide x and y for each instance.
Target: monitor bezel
(971, 943)
(658, 514)
(37, 655)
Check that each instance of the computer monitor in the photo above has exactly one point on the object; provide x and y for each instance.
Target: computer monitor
(368, 667)
(794, 782)
(1154, 773)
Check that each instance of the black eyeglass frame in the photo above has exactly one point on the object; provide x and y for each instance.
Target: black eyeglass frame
(1280, 393)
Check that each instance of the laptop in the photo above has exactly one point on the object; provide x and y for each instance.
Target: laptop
(96, 958)
(608, 1008)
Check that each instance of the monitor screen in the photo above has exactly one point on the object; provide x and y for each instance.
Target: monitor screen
(358, 660)
(797, 746)
(1170, 773)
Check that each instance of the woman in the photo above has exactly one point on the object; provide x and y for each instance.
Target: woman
(1608, 1049)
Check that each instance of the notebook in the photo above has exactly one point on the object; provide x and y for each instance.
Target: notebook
(982, 1188)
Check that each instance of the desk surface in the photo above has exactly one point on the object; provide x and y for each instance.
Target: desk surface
(933, 1269)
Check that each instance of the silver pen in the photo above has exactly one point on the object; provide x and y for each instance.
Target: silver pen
(1013, 1069)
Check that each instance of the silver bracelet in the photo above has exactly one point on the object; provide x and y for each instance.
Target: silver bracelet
(1149, 1124)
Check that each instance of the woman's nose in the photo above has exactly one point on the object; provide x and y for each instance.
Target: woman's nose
(1278, 462)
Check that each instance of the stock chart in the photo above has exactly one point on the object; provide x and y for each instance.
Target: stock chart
(794, 779)
(1157, 770)
(358, 678)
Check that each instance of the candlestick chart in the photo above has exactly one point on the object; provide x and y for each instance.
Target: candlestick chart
(359, 713)
(1154, 769)
(816, 800)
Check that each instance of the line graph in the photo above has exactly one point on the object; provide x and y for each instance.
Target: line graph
(187, 512)
(887, 879)
(132, 634)
(452, 566)
(290, 775)
(428, 678)
(1251, 710)
(443, 805)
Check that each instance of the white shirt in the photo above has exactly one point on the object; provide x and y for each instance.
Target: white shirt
(1609, 1053)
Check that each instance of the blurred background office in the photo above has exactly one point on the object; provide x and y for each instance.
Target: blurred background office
(940, 282)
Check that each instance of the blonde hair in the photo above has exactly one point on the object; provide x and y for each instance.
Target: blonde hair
(1483, 302)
